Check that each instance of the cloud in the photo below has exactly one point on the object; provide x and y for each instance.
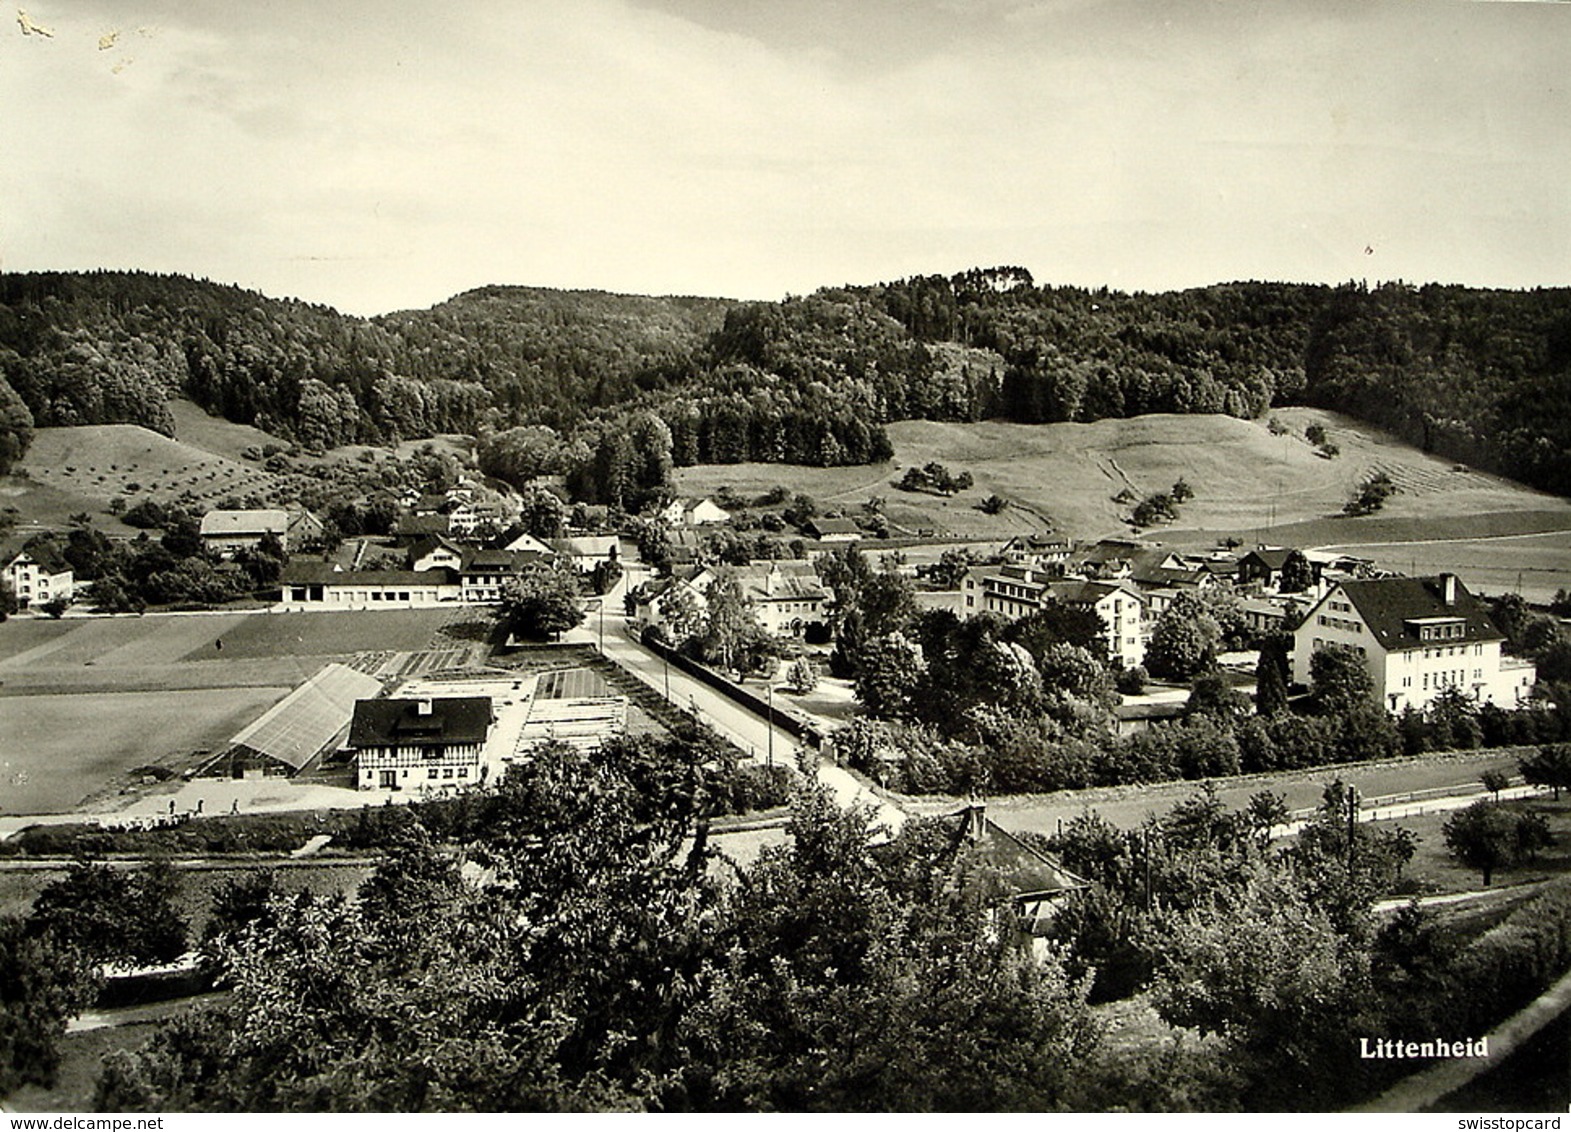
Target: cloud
(379, 155)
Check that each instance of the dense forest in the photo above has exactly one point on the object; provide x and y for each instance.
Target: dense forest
(1480, 376)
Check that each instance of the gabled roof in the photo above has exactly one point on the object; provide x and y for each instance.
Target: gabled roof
(413, 526)
(426, 545)
(492, 561)
(47, 558)
(1091, 592)
(587, 546)
(1028, 873)
(1271, 557)
(221, 523)
(382, 723)
(1167, 576)
(1387, 605)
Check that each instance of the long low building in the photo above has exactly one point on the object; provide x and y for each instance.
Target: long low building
(315, 584)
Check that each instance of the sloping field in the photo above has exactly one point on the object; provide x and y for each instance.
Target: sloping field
(196, 427)
(100, 462)
(1244, 478)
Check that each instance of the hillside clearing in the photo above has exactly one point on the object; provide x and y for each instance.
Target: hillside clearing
(1245, 479)
(95, 464)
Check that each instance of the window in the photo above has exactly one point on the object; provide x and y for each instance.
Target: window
(447, 772)
(431, 773)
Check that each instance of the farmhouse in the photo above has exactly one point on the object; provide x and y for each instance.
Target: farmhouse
(1418, 637)
(427, 743)
(435, 552)
(225, 532)
(312, 584)
(483, 574)
(39, 577)
(694, 513)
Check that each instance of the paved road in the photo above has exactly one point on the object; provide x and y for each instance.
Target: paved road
(738, 724)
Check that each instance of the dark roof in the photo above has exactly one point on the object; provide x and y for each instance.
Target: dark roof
(425, 545)
(1073, 592)
(1271, 557)
(1166, 576)
(383, 723)
(310, 571)
(413, 526)
(494, 560)
(1387, 605)
(1027, 873)
(48, 557)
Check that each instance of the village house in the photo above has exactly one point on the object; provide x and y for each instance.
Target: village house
(1418, 637)
(786, 597)
(693, 513)
(303, 529)
(224, 532)
(435, 552)
(39, 577)
(1035, 887)
(523, 540)
(429, 743)
(484, 574)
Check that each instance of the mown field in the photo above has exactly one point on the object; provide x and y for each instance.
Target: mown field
(1243, 477)
(56, 750)
(83, 700)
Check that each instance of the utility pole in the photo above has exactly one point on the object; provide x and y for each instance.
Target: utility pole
(1352, 820)
(771, 721)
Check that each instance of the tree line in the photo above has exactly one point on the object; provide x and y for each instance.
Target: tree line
(1480, 376)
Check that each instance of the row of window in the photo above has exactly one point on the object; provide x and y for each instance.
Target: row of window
(1340, 623)
(1451, 650)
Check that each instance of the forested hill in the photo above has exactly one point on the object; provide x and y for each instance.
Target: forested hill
(1483, 376)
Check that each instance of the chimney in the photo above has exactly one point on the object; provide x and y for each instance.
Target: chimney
(423, 705)
(1448, 583)
(975, 822)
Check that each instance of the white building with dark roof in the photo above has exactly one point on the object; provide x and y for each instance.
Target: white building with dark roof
(39, 577)
(1418, 636)
(429, 743)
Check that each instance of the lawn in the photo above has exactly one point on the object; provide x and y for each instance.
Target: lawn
(56, 750)
(335, 633)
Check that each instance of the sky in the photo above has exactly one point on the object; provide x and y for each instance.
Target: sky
(377, 155)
